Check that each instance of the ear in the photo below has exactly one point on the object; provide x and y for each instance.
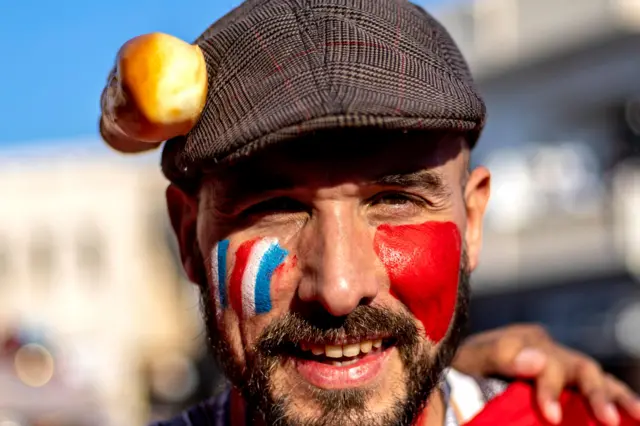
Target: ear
(183, 212)
(477, 193)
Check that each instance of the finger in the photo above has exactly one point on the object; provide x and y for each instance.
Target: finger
(549, 385)
(591, 381)
(494, 352)
(489, 356)
(529, 362)
(604, 410)
(622, 395)
(531, 358)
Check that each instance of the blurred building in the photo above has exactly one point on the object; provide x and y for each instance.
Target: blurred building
(91, 290)
(561, 83)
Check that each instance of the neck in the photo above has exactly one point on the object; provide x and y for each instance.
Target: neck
(432, 415)
(434, 412)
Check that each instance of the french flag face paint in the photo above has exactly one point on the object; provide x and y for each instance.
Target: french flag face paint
(219, 268)
(423, 263)
(248, 288)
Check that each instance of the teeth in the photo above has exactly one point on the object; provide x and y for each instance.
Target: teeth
(350, 362)
(349, 351)
(333, 351)
(365, 347)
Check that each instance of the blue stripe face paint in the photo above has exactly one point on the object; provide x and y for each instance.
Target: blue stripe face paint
(223, 247)
(272, 259)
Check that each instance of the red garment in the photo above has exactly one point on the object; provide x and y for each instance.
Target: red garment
(517, 407)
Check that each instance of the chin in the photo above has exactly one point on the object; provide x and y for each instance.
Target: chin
(365, 389)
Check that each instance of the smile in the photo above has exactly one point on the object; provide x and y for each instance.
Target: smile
(339, 355)
(335, 366)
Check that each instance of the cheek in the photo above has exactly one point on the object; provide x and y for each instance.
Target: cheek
(248, 287)
(423, 263)
(282, 276)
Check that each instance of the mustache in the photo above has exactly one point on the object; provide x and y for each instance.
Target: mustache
(288, 332)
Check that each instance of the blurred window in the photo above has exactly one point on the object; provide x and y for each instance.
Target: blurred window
(42, 255)
(628, 129)
(90, 253)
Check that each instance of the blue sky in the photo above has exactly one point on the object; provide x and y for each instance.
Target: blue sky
(56, 55)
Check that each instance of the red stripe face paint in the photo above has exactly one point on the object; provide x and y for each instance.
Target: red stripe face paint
(423, 263)
(235, 280)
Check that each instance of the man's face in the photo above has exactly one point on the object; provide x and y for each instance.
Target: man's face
(336, 285)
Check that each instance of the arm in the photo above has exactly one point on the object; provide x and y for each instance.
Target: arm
(528, 352)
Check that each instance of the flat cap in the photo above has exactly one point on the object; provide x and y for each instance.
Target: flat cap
(280, 69)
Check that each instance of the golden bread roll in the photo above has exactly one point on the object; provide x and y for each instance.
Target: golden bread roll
(157, 91)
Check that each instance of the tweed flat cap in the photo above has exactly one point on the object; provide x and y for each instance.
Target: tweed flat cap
(279, 69)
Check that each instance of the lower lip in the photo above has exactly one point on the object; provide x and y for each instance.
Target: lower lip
(328, 376)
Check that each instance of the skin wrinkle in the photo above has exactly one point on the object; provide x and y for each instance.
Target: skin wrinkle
(430, 181)
(253, 352)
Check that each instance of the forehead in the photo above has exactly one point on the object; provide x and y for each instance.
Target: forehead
(330, 158)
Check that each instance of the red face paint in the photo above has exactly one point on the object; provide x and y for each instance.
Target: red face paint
(285, 268)
(235, 280)
(423, 263)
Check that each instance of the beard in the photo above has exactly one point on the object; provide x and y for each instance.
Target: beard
(423, 370)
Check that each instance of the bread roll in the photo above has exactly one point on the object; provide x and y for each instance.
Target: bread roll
(157, 91)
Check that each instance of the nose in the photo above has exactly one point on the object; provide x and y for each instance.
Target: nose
(340, 267)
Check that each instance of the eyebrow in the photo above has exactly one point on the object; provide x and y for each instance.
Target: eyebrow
(248, 186)
(425, 179)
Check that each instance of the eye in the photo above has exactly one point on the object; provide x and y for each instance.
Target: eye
(397, 199)
(279, 205)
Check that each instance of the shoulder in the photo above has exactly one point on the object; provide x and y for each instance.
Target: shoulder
(489, 402)
(213, 412)
(469, 395)
(484, 388)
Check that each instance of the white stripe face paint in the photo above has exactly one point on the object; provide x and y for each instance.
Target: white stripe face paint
(250, 276)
